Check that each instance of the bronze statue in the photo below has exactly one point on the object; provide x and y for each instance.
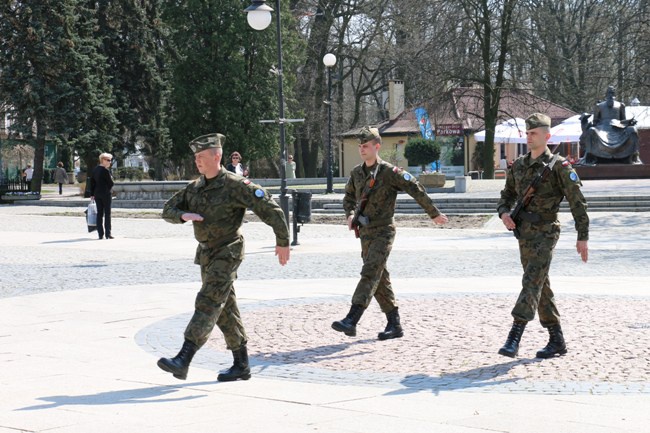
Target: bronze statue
(610, 137)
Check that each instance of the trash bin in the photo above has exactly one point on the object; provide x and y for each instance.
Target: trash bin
(462, 183)
(302, 206)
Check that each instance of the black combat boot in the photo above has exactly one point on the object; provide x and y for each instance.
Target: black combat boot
(240, 368)
(179, 364)
(556, 345)
(511, 347)
(393, 328)
(348, 326)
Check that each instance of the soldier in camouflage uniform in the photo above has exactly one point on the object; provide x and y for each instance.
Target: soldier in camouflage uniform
(539, 231)
(216, 204)
(378, 233)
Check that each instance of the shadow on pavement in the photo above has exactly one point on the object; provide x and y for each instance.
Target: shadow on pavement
(308, 355)
(474, 378)
(67, 241)
(127, 396)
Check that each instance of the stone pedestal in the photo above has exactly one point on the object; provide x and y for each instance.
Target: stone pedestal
(613, 171)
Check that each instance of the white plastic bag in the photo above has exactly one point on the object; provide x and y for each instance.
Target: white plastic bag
(91, 216)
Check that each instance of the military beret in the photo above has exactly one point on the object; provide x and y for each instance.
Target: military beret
(368, 133)
(537, 120)
(207, 141)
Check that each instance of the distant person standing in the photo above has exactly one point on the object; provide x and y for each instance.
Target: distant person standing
(290, 168)
(101, 184)
(27, 175)
(235, 165)
(60, 176)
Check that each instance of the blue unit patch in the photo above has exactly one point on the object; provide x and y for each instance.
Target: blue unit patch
(407, 177)
(259, 193)
(573, 176)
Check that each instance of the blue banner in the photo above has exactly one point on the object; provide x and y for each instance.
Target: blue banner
(423, 122)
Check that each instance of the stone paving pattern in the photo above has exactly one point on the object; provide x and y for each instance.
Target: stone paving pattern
(451, 338)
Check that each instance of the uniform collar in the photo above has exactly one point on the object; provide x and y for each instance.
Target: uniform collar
(543, 158)
(216, 182)
(369, 170)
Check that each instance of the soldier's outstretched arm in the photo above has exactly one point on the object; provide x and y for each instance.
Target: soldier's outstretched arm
(260, 202)
(404, 181)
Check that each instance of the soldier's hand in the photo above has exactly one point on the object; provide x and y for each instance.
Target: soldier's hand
(583, 250)
(441, 219)
(350, 218)
(283, 254)
(508, 222)
(191, 217)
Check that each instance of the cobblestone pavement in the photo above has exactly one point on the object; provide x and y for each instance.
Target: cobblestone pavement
(451, 338)
(450, 343)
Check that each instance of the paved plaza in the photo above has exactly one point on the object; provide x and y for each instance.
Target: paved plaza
(83, 321)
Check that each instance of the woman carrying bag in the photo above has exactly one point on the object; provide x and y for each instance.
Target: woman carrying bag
(101, 183)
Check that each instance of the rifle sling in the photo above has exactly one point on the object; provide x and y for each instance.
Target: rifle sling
(550, 166)
(363, 201)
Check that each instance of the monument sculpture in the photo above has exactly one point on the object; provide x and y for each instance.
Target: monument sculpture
(609, 137)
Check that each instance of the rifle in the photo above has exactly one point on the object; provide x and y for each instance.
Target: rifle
(359, 219)
(517, 213)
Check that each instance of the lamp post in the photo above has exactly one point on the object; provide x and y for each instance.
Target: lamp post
(259, 18)
(329, 60)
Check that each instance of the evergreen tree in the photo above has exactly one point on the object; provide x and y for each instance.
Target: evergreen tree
(134, 40)
(222, 80)
(52, 78)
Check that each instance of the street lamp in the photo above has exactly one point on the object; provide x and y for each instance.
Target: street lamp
(259, 18)
(329, 60)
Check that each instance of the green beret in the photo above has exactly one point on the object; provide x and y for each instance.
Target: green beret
(368, 133)
(537, 120)
(207, 141)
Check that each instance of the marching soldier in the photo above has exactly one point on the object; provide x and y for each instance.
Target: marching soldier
(216, 204)
(538, 230)
(369, 204)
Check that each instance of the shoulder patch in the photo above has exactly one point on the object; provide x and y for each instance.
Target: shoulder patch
(259, 193)
(573, 176)
(407, 176)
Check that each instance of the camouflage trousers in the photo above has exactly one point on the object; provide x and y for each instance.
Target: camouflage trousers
(376, 243)
(536, 293)
(216, 302)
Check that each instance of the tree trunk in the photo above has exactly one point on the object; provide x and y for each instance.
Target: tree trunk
(39, 155)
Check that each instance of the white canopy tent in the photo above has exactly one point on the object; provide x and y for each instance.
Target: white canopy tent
(568, 131)
(510, 131)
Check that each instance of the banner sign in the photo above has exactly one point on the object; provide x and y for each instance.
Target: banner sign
(423, 122)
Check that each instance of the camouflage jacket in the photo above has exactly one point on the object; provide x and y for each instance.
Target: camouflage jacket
(222, 202)
(562, 182)
(381, 203)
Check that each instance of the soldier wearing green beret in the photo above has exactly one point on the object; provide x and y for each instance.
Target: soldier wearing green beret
(539, 232)
(377, 230)
(215, 203)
